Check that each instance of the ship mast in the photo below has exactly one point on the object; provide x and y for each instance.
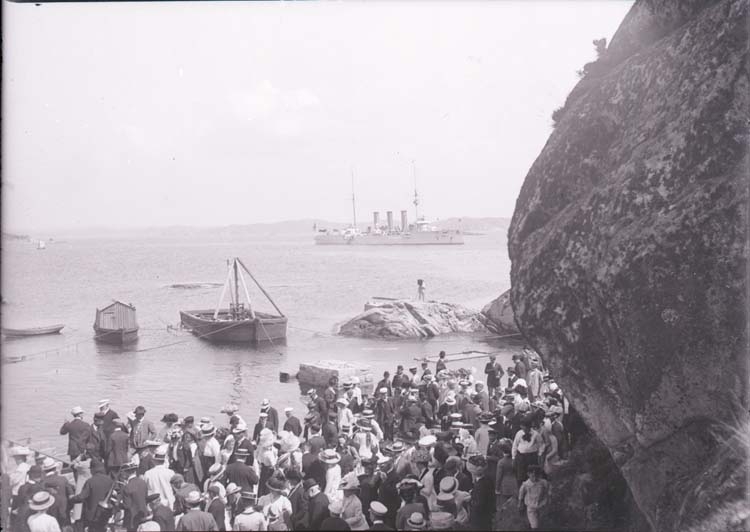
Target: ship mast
(416, 196)
(354, 206)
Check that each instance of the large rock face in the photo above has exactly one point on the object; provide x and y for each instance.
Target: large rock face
(629, 266)
(497, 315)
(411, 319)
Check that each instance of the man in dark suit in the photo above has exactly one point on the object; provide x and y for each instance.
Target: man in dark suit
(240, 473)
(319, 403)
(78, 431)
(134, 497)
(241, 441)
(297, 499)
(60, 489)
(388, 492)
(20, 506)
(482, 505)
(116, 447)
(162, 515)
(260, 425)
(94, 491)
(95, 444)
(292, 423)
(329, 431)
(216, 507)
(318, 503)
(108, 416)
(273, 415)
(384, 414)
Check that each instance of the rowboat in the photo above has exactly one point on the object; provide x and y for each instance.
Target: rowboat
(33, 331)
(239, 323)
(116, 324)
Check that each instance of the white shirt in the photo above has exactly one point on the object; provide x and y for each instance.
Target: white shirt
(212, 448)
(522, 446)
(158, 481)
(250, 520)
(42, 522)
(333, 480)
(19, 477)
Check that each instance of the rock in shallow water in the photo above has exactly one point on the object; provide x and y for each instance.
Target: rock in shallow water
(411, 319)
(497, 315)
(629, 259)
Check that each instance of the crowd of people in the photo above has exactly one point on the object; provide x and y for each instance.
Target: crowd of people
(431, 449)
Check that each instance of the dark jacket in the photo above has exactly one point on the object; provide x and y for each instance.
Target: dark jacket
(79, 433)
(259, 427)
(482, 506)
(330, 433)
(134, 500)
(241, 474)
(334, 523)
(380, 526)
(388, 496)
(61, 490)
(94, 490)
(107, 426)
(293, 425)
(299, 507)
(216, 508)
(164, 517)
(116, 448)
(318, 509)
(195, 520)
(273, 419)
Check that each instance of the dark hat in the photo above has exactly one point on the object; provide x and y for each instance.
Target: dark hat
(153, 497)
(485, 417)
(309, 483)
(188, 419)
(140, 410)
(169, 418)
(478, 460)
(35, 472)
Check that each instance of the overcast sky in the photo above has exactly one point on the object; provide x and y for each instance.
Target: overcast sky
(141, 114)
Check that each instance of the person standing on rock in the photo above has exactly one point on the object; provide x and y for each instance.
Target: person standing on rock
(420, 289)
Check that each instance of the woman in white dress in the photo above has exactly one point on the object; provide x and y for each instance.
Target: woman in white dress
(333, 474)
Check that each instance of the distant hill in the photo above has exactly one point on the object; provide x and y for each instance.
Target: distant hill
(287, 227)
(13, 236)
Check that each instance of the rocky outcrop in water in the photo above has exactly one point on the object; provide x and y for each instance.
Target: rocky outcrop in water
(497, 315)
(629, 257)
(411, 319)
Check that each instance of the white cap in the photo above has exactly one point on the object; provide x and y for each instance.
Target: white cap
(288, 409)
(103, 402)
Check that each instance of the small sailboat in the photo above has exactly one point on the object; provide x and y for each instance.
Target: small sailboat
(239, 323)
(116, 324)
(41, 245)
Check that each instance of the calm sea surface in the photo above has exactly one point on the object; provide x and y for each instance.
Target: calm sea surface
(315, 286)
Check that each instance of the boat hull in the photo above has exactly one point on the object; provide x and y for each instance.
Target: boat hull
(115, 337)
(425, 238)
(264, 328)
(34, 331)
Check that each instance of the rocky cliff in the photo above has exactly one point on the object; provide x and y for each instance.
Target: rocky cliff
(497, 315)
(629, 257)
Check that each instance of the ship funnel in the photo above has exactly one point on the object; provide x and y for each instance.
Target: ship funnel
(375, 220)
(390, 220)
(404, 222)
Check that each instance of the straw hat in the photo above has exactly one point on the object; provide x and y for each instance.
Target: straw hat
(229, 408)
(428, 441)
(41, 501)
(265, 404)
(396, 447)
(276, 483)
(342, 401)
(233, 488)
(416, 521)
(448, 487)
(288, 409)
(49, 464)
(241, 427)
(103, 402)
(378, 508)
(329, 456)
(450, 400)
(208, 430)
(368, 414)
(76, 410)
(216, 470)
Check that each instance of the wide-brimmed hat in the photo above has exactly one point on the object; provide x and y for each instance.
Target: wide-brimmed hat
(342, 401)
(265, 404)
(208, 430)
(450, 400)
(233, 488)
(41, 500)
(103, 402)
(355, 380)
(20, 451)
(193, 498)
(229, 408)
(161, 451)
(309, 483)
(349, 482)
(276, 483)
(408, 484)
(416, 521)
(169, 418)
(76, 410)
(49, 464)
(427, 441)
(396, 447)
(485, 417)
(215, 470)
(448, 486)
(241, 427)
(288, 441)
(476, 464)
(266, 438)
(329, 456)
(368, 414)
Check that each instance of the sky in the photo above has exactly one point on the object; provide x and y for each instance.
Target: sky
(206, 114)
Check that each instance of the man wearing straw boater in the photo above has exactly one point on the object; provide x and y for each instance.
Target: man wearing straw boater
(40, 521)
(78, 432)
(194, 518)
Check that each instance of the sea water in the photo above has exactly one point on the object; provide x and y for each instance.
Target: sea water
(168, 370)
